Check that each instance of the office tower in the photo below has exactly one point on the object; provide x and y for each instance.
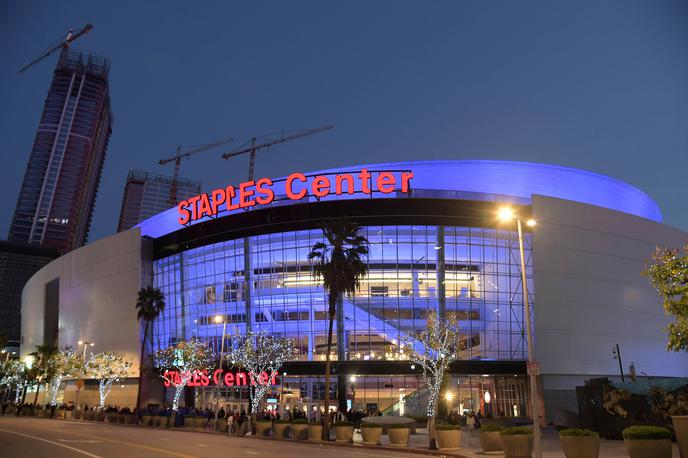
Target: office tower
(18, 262)
(147, 194)
(57, 196)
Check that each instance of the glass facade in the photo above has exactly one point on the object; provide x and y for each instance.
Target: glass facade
(472, 271)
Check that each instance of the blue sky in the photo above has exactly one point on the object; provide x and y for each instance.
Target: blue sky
(601, 86)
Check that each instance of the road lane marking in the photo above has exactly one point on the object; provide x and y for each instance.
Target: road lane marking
(159, 450)
(83, 452)
(86, 441)
(251, 452)
(201, 445)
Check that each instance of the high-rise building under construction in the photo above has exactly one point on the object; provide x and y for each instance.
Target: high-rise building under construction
(58, 194)
(147, 194)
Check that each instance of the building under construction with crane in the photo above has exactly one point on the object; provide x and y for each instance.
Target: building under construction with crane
(58, 193)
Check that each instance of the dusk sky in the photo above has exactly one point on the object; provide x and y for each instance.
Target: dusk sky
(601, 86)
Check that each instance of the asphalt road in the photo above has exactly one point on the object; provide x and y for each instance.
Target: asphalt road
(34, 437)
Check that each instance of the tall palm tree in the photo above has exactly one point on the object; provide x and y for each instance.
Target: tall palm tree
(340, 264)
(150, 304)
(43, 371)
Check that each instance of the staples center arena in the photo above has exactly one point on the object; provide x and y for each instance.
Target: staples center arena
(238, 255)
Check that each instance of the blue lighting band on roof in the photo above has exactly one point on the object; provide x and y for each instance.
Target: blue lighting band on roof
(498, 181)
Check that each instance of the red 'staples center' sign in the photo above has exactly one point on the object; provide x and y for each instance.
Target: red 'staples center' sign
(204, 378)
(297, 186)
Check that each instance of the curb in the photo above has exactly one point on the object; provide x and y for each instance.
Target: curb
(409, 450)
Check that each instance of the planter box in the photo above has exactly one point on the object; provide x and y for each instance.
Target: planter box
(200, 422)
(159, 421)
(220, 425)
(61, 414)
(111, 417)
(371, 436)
(344, 433)
(489, 441)
(315, 433)
(448, 439)
(645, 448)
(580, 447)
(281, 429)
(263, 428)
(130, 419)
(147, 420)
(100, 416)
(300, 431)
(517, 446)
(681, 428)
(398, 437)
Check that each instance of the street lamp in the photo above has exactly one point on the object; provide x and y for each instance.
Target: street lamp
(220, 319)
(79, 383)
(507, 214)
(86, 345)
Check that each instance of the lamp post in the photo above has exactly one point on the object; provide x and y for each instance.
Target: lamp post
(78, 382)
(507, 214)
(220, 319)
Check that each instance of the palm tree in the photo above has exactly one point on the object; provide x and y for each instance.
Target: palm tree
(341, 266)
(150, 304)
(43, 371)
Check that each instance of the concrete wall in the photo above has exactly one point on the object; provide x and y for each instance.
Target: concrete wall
(590, 296)
(99, 284)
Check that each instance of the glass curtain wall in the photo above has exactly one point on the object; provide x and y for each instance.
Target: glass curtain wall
(481, 278)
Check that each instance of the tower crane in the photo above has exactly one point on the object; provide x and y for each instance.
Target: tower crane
(268, 140)
(177, 159)
(62, 43)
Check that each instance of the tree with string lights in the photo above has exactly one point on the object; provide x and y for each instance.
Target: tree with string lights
(66, 363)
(14, 375)
(184, 358)
(107, 368)
(668, 274)
(260, 352)
(433, 349)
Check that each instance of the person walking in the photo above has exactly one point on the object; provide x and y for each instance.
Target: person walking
(230, 424)
(470, 422)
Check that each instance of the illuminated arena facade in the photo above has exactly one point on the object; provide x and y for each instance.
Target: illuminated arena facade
(435, 244)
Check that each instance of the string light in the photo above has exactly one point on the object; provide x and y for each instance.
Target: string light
(107, 368)
(186, 357)
(259, 352)
(429, 349)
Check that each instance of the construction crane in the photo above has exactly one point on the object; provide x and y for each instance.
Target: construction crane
(177, 159)
(62, 43)
(268, 140)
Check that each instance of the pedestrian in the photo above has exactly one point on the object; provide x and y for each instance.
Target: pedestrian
(230, 424)
(470, 421)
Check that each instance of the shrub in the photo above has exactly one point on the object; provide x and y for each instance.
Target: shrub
(343, 423)
(315, 423)
(646, 432)
(516, 431)
(370, 425)
(263, 421)
(491, 427)
(577, 432)
(448, 427)
(283, 421)
(299, 421)
(398, 426)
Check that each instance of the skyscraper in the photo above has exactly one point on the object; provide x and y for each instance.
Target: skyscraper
(147, 194)
(57, 196)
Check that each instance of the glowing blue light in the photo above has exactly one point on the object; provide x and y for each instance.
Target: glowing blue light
(494, 181)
